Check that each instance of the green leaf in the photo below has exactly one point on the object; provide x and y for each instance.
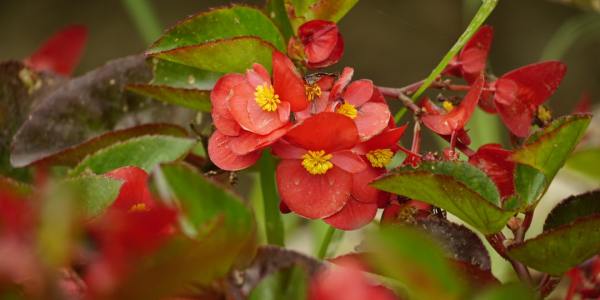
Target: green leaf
(559, 249)
(182, 76)
(73, 155)
(276, 11)
(222, 23)
(144, 152)
(586, 162)
(530, 186)
(572, 208)
(94, 192)
(416, 261)
(202, 200)
(301, 11)
(511, 291)
(227, 56)
(190, 98)
(457, 187)
(548, 149)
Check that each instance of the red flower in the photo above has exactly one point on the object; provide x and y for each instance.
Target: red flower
(61, 52)
(314, 178)
(519, 93)
(319, 44)
(134, 225)
(250, 112)
(496, 163)
(471, 60)
(455, 120)
(346, 280)
(364, 199)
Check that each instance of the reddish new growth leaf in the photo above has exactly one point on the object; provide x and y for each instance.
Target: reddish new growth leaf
(495, 162)
(319, 44)
(314, 177)
(61, 52)
(347, 280)
(251, 112)
(470, 62)
(455, 120)
(520, 92)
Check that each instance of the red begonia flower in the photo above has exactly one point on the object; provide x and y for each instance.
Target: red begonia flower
(353, 215)
(61, 52)
(317, 92)
(347, 280)
(319, 44)
(432, 109)
(314, 178)
(16, 216)
(519, 93)
(495, 162)
(134, 193)
(457, 118)
(362, 102)
(250, 112)
(470, 62)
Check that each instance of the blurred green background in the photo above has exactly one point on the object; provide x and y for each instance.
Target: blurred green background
(393, 42)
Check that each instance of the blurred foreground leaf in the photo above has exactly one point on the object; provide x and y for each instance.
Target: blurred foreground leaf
(586, 162)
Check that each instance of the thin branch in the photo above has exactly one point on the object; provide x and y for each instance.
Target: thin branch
(400, 94)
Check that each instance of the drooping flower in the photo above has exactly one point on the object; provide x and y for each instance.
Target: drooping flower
(250, 112)
(471, 60)
(319, 44)
(61, 52)
(520, 92)
(456, 118)
(314, 177)
(362, 102)
(347, 280)
(496, 163)
(364, 199)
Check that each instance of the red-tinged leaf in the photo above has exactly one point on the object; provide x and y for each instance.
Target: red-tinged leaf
(61, 52)
(189, 98)
(572, 208)
(73, 155)
(327, 131)
(312, 196)
(288, 83)
(223, 157)
(456, 119)
(495, 162)
(353, 215)
(521, 91)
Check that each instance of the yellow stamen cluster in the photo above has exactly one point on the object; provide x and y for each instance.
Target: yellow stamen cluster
(317, 162)
(313, 91)
(544, 114)
(380, 158)
(347, 110)
(448, 106)
(266, 98)
(139, 207)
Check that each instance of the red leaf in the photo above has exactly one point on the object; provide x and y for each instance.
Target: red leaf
(61, 52)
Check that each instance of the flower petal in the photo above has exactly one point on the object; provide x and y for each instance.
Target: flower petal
(372, 119)
(348, 161)
(327, 131)
(341, 83)
(61, 52)
(537, 82)
(258, 75)
(288, 83)
(495, 162)
(319, 38)
(134, 189)
(219, 98)
(354, 215)
(388, 139)
(285, 150)
(362, 191)
(312, 196)
(248, 142)
(515, 114)
(474, 55)
(221, 155)
(359, 92)
(249, 114)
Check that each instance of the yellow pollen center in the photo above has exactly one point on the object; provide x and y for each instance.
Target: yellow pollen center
(317, 162)
(347, 110)
(380, 158)
(139, 207)
(448, 106)
(313, 92)
(544, 114)
(266, 98)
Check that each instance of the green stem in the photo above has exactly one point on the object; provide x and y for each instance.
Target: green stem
(325, 243)
(484, 11)
(144, 18)
(273, 222)
(569, 32)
